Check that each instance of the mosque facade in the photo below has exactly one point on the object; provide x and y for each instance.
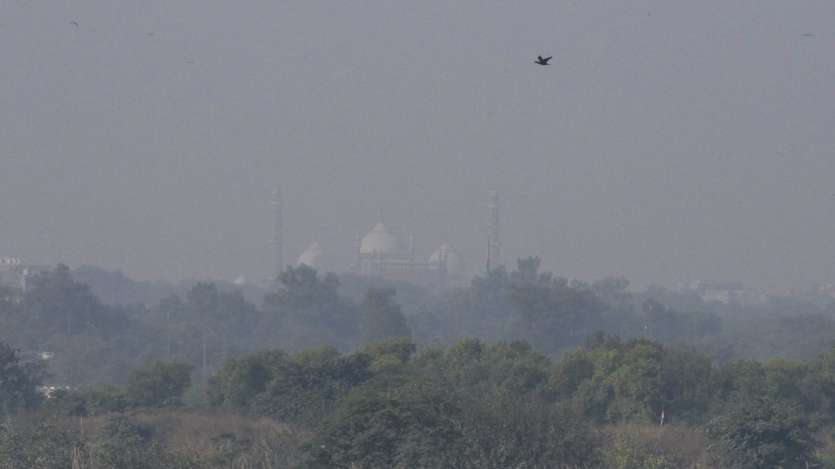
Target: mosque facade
(381, 253)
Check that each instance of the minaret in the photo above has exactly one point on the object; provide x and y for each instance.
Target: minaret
(278, 235)
(494, 245)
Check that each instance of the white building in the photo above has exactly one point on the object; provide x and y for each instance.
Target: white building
(312, 256)
(382, 253)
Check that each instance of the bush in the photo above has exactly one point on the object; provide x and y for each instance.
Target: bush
(759, 432)
(159, 384)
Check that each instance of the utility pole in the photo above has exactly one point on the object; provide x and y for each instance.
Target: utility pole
(278, 234)
(494, 244)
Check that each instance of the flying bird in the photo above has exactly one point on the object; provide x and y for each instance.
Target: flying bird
(542, 61)
(74, 23)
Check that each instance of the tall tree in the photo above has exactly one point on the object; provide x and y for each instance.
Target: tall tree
(759, 432)
(18, 382)
(159, 384)
(382, 317)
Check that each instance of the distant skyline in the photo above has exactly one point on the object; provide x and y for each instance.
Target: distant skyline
(666, 142)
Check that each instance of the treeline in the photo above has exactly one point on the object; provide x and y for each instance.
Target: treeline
(93, 342)
(612, 403)
(330, 372)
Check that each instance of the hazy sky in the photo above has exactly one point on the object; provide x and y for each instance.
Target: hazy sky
(669, 140)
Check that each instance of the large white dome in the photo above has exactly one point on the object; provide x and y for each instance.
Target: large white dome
(446, 254)
(311, 257)
(379, 241)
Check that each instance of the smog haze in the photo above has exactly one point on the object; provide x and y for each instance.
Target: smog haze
(667, 141)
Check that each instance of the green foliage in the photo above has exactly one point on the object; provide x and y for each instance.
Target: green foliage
(408, 426)
(125, 444)
(307, 311)
(381, 316)
(685, 385)
(743, 379)
(668, 325)
(297, 388)
(18, 382)
(242, 379)
(366, 390)
(552, 313)
(644, 446)
(760, 432)
(304, 289)
(159, 384)
(390, 354)
(500, 430)
(105, 399)
(631, 453)
(42, 444)
(638, 380)
(307, 386)
(477, 366)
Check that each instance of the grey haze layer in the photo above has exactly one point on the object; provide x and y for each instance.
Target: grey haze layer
(667, 141)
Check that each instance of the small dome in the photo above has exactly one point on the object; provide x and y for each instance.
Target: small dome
(379, 241)
(446, 254)
(312, 256)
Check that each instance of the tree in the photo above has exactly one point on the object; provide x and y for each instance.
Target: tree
(159, 384)
(215, 317)
(407, 426)
(241, 380)
(381, 316)
(615, 381)
(500, 430)
(760, 432)
(59, 304)
(392, 353)
(307, 311)
(125, 444)
(18, 382)
(552, 312)
(43, 444)
(302, 288)
(305, 388)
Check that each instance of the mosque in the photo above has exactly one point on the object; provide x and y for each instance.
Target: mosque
(382, 253)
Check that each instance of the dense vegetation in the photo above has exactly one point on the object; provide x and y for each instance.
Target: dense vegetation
(521, 369)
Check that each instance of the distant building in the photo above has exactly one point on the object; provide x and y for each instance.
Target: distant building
(381, 253)
(14, 272)
(312, 256)
(826, 289)
(723, 292)
(52, 391)
(36, 355)
(456, 271)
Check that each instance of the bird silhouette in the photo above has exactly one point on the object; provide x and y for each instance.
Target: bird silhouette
(542, 61)
(74, 23)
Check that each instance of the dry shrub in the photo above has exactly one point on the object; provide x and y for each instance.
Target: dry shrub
(227, 438)
(215, 439)
(196, 430)
(642, 446)
(826, 452)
